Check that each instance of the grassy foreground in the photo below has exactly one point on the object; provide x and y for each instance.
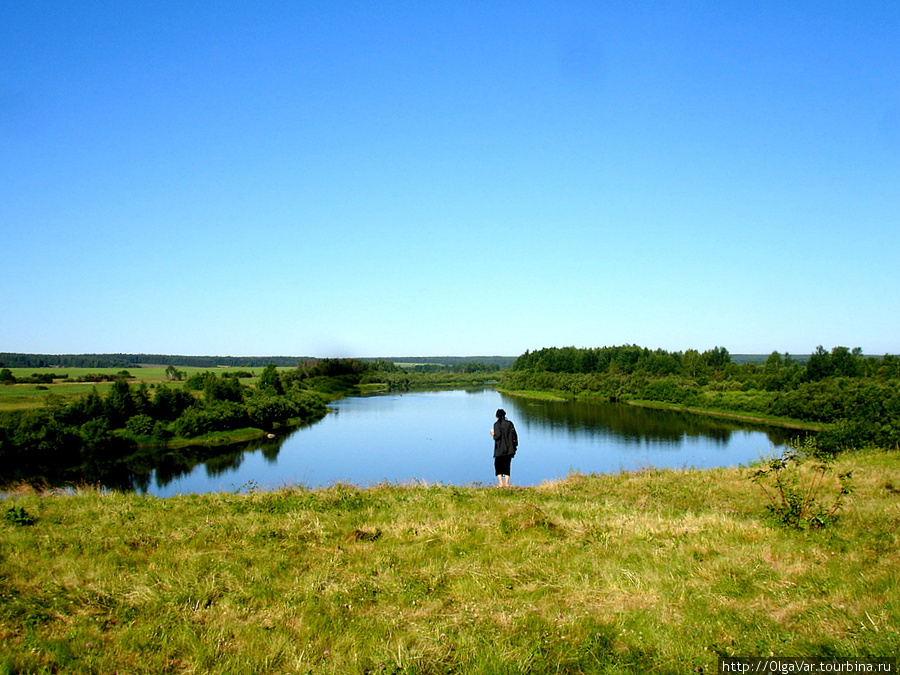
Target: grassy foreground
(653, 571)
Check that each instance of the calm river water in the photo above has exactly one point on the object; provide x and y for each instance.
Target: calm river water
(442, 437)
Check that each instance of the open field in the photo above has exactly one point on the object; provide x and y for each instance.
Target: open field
(29, 395)
(653, 571)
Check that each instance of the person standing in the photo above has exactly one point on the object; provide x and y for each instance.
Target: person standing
(506, 441)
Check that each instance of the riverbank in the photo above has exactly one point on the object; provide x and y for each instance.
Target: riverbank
(633, 572)
(755, 418)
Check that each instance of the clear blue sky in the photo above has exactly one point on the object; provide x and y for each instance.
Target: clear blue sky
(448, 178)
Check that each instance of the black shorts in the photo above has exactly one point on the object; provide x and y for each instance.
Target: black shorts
(501, 465)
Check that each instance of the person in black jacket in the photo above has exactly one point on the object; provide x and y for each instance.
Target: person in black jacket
(506, 441)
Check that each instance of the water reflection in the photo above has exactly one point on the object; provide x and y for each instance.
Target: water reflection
(631, 424)
(214, 461)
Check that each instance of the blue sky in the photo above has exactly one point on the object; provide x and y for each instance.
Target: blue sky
(448, 178)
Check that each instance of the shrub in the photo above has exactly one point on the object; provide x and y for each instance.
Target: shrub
(19, 516)
(35, 437)
(265, 410)
(797, 486)
(97, 436)
(220, 416)
(140, 425)
(169, 404)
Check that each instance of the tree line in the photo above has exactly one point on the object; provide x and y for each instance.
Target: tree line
(17, 360)
(7, 377)
(857, 396)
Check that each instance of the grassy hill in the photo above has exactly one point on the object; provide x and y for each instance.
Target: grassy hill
(653, 571)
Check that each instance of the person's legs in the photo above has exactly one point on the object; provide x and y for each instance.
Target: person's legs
(501, 468)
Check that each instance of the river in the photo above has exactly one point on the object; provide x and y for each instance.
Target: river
(443, 437)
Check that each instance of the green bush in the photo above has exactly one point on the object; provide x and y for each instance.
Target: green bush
(800, 487)
(169, 404)
(140, 425)
(220, 416)
(671, 390)
(265, 410)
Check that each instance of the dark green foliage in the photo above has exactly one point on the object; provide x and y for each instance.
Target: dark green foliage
(858, 397)
(223, 389)
(335, 377)
(91, 377)
(270, 381)
(197, 381)
(266, 410)
(119, 404)
(168, 404)
(671, 390)
(465, 367)
(88, 407)
(627, 359)
(140, 425)
(216, 416)
(96, 433)
(141, 398)
(345, 373)
(862, 411)
(841, 362)
(37, 437)
(19, 516)
(238, 374)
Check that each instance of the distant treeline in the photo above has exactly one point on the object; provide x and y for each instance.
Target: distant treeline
(15, 360)
(451, 361)
(857, 396)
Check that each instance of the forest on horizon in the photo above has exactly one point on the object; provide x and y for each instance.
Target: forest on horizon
(137, 360)
(25, 360)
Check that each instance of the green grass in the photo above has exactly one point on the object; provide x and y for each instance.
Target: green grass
(19, 396)
(540, 395)
(749, 416)
(653, 571)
